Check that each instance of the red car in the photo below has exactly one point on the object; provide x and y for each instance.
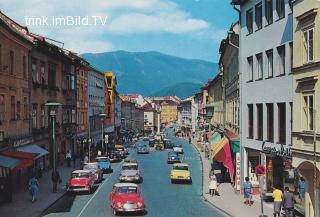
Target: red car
(125, 197)
(81, 180)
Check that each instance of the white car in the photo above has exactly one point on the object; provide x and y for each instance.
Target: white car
(130, 173)
(178, 149)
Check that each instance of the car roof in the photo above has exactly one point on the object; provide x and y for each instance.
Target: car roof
(81, 171)
(180, 164)
(101, 157)
(129, 164)
(91, 163)
(125, 184)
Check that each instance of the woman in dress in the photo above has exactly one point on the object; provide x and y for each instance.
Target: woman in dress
(213, 185)
(33, 187)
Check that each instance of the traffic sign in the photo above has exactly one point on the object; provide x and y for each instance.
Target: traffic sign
(260, 170)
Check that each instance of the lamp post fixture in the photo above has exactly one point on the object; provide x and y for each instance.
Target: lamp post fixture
(102, 116)
(158, 110)
(53, 106)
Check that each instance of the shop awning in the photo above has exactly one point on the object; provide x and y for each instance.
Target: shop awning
(8, 162)
(221, 153)
(235, 146)
(215, 138)
(34, 149)
(25, 157)
(231, 135)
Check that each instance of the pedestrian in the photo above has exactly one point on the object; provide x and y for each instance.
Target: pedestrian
(247, 192)
(288, 202)
(277, 201)
(68, 158)
(302, 188)
(99, 153)
(55, 177)
(33, 187)
(85, 159)
(213, 185)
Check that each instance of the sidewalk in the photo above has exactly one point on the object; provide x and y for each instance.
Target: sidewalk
(230, 202)
(21, 205)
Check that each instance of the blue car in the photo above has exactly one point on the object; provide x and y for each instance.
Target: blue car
(173, 157)
(104, 164)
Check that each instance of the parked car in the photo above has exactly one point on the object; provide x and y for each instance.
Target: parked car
(115, 156)
(126, 197)
(178, 148)
(95, 170)
(142, 149)
(130, 160)
(104, 164)
(130, 173)
(167, 144)
(121, 149)
(180, 172)
(81, 180)
(173, 157)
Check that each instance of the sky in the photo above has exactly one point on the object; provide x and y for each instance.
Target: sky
(185, 28)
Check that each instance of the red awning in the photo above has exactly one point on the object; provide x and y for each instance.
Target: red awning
(231, 135)
(25, 157)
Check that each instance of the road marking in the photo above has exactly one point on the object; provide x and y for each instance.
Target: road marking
(105, 181)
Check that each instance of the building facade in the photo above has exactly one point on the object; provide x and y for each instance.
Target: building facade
(306, 91)
(96, 92)
(266, 91)
(150, 121)
(169, 112)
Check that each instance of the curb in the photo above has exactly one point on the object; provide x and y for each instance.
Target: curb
(51, 204)
(202, 192)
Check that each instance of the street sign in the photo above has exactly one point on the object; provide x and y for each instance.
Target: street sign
(260, 170)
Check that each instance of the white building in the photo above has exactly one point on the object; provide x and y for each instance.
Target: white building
(266, 90)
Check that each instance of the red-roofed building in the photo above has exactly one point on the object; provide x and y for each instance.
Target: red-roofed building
(150, 118)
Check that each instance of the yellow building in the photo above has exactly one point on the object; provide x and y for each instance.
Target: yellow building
(169, 112)
(110, 83)
(306, 104)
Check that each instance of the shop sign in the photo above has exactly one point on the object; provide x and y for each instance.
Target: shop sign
(276, 149)
(21, 142)
(238, 179)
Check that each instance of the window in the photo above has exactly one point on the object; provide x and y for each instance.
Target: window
(34, 69)
(308, 104)
(42, 116)
(249, 21)
(42, 72)
(270, 122)
(270, 63)
(250, 121)
(11, 62)
(282, 59)
(52, 75)
(18, 110)
(34, 116)
(73, 120)
(280, 8)
(291, 55)
(24, 67)
(269, 11)
(2, 107)
(13, 108)
(259, 15)
(308, 45)
(25, 108)
(259, 122)
(260, 65)
(282, 123)
(250, 68)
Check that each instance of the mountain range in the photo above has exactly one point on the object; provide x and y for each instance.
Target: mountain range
(153, 73)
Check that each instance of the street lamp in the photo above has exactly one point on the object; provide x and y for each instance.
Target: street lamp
(102, 116)
(53, 106)
(89, 143)
(158, 110)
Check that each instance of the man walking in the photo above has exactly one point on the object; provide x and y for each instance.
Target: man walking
(277, 201)
(247, 189)
(55, 177)
(288, 202)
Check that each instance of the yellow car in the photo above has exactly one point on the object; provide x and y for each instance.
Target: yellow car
(180, 172)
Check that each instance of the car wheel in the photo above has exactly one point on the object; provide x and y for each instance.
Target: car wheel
(90, 190)
(115, 212)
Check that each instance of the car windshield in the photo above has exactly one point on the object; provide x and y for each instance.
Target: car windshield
(172, 154)
(105, 159)
(80, 175)
(90, 167)
(129, 167)
(177, 145)
(127, 189)
(180, 167)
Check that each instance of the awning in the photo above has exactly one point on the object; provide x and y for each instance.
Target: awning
(25, 157)
(221, 153)
(231, 135)
(235, 146)
(8, 162)
(34, 149)
(215, 138)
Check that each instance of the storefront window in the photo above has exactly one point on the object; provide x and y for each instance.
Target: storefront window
(253, 161)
